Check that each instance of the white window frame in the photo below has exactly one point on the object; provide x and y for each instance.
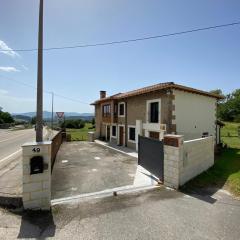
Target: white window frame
(148, 102)
(119, 109)
(115, 125)
(129, 140)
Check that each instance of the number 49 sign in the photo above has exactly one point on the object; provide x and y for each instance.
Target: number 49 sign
(36, 150)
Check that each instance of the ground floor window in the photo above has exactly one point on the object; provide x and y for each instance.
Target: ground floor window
(131, 134)
(114, 131)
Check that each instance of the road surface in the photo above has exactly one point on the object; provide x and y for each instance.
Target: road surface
(10, 159)
(160, 214)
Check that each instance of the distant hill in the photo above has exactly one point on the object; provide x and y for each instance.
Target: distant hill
(20, 117)
(48, 115)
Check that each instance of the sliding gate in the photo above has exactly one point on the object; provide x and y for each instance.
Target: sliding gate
(151, 155)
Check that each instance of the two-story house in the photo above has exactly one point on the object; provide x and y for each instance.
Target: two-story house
(164, 108)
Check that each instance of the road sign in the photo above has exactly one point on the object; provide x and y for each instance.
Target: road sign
(60, 114)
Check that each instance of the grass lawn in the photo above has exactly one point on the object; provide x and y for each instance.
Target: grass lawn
(80, 134)
(226, 171)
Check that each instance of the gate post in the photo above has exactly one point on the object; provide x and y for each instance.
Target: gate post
(36, 187)
(173, 160)
(138, 132)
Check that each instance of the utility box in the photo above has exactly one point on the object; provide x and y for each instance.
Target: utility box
(36, 160)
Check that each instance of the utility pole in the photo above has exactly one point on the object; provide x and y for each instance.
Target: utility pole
(52, 108)
(39, 117)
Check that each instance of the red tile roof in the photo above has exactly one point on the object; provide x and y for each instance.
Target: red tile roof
(156, 87)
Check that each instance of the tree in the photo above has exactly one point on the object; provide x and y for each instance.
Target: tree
(93, 121)
(6, 117)
(33, 120)
(229, 108)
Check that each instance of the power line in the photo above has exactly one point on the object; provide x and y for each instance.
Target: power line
(48, 92)
(128, 40)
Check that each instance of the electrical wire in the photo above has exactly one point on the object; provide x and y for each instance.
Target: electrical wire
(128, 40)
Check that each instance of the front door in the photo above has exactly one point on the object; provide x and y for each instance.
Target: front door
(108, 133)
(121, 135)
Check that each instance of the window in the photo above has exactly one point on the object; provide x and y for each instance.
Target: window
(114, 131)
(106, 110)
(115, 109)
(154, 112)
(121, 109)
(131, 134)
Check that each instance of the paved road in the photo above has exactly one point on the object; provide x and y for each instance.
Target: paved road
(10, 156)
(159, 214)
(11, 141)
(10, 159)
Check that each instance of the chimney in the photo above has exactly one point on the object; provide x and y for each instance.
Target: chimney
(102, 94)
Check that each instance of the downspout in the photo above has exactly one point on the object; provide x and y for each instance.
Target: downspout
(126, 114)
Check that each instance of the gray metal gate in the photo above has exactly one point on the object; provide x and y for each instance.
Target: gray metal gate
(151, 155)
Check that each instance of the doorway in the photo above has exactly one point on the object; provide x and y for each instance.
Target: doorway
(121, 135)
(108, 133)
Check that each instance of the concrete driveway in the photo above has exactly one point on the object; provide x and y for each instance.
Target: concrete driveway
(83, 167)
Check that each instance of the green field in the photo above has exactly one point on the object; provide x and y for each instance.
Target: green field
(226, 171)
(80, 134)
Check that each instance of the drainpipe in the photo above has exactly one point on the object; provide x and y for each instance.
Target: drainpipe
(126, 130)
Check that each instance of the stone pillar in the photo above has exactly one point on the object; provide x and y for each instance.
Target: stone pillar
(36, 159)
(91, 136)
(173, 160)
(138, 131)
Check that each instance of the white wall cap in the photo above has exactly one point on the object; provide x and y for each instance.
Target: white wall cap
(37, 143)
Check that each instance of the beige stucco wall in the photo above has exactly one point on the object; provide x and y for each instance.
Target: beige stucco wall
(195, 114)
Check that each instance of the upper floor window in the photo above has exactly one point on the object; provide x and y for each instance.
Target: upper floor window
(106, 110)
(115, 109)
(121, 109)
(154, 112)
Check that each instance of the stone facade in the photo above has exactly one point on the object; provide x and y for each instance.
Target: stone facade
(136, 110)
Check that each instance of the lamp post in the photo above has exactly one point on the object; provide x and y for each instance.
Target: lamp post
(39, 117)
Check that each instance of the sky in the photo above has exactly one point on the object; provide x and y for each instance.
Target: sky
(205, 60)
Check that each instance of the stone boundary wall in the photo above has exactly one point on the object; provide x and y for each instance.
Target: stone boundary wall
(184, 160)
(198, 156)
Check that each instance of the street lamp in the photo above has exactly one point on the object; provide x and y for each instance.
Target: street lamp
(39, 117)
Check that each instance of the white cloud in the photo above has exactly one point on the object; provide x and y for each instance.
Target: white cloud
(9, 52)
(3, 91)
(9, 69)
(5, 96)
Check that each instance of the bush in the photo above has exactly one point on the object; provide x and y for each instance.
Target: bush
(77, 124)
